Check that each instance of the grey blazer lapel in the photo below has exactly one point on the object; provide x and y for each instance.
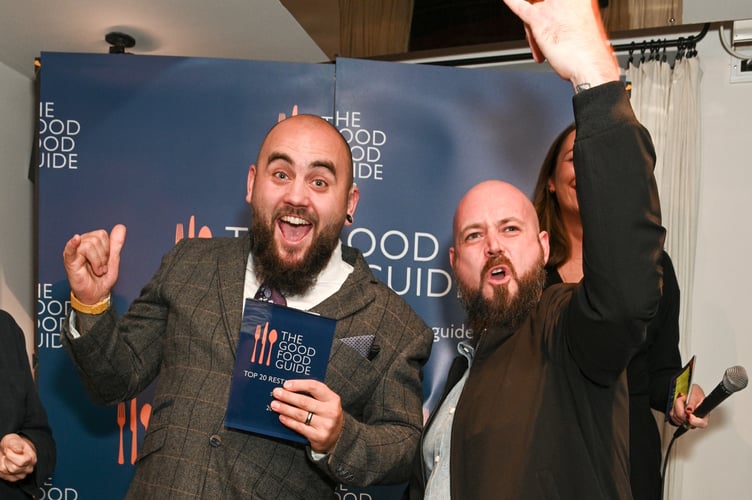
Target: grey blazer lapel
(347, 301)
(355, 293)
(231, 264)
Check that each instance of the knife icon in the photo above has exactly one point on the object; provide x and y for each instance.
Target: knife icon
(263, 342)
(134, 431)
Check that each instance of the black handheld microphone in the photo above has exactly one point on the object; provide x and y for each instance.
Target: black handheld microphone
(734, 379)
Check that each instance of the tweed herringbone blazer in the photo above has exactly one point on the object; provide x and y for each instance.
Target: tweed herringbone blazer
(183, 332)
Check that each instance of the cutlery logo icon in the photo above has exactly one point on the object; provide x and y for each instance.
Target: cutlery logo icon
(133, 422)
(121, 424)
(204, 232)
(267, 336)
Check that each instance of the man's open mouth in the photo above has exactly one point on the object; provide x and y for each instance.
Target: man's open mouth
(294, 228)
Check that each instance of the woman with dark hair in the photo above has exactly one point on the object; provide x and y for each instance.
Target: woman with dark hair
(650, 371)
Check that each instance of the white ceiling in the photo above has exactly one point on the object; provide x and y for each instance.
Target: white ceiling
(237, 29)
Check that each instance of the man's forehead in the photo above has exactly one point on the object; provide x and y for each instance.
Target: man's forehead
(494, 203)
(502, 200)
(494, 214)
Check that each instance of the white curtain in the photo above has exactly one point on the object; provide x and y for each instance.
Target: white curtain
(667, 101)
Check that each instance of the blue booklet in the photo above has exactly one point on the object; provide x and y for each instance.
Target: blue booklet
(276, 343)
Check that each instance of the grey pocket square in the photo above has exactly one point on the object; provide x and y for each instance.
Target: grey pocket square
(362, 344)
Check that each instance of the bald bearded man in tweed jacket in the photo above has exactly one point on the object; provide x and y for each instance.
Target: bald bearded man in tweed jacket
(362, 424)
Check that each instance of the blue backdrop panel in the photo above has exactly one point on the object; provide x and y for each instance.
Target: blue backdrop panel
(163, 145)
(154, 143)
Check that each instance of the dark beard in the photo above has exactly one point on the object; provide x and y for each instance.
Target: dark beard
(289, 279)
(502, 311)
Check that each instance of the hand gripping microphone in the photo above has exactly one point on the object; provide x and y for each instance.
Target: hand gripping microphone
(734, 379)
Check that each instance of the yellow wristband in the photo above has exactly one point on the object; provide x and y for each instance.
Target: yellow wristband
(97, 308)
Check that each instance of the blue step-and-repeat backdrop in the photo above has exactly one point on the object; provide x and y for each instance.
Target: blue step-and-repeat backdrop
(163, 145)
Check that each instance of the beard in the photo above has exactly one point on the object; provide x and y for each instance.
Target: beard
(502, 310)
(294, 278)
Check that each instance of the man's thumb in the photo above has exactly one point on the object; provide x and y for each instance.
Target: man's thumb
(117, 240)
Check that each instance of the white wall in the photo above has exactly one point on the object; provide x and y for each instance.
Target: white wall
(17, 290)
(715, 463)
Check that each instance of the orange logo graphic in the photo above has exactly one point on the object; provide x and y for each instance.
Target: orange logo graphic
(282, 116)
(135, 418)
(204, 232)
(271, 339)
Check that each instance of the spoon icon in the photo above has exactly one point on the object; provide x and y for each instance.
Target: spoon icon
(145, 415)
(272, 340)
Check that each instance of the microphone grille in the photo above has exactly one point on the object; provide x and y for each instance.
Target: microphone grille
(735, 379)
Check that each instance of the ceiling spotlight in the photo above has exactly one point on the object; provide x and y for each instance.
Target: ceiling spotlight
(119, 42)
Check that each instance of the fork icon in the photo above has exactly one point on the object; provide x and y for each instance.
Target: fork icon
(121, 424)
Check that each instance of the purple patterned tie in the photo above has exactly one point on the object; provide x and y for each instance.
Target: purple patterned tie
(268, 294)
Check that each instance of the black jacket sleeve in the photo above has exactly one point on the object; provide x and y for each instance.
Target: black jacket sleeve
(22, 411)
